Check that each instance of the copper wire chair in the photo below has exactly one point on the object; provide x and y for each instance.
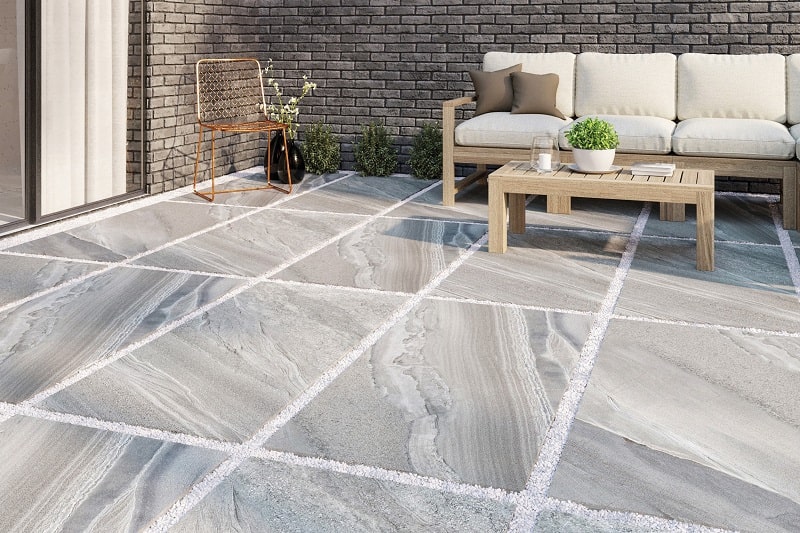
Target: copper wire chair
(230, 98)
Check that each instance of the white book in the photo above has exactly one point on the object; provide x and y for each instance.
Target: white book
(652, 169)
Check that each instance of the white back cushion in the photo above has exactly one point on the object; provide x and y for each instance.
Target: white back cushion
(793, 88)
(732, 86)
(561, 63)
(625, 84)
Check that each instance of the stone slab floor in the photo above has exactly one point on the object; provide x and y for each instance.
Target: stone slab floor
(351, 358)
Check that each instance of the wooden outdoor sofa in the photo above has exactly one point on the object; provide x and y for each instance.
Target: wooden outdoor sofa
(738, 115)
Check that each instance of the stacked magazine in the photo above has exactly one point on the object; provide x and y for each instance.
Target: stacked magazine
(652, 169)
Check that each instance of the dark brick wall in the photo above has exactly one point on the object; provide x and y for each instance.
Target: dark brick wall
(395, 62)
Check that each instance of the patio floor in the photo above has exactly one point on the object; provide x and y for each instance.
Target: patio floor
(350, 357)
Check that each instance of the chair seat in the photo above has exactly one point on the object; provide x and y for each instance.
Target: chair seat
(501, 129)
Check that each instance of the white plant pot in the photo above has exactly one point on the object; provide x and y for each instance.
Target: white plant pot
(593, 160)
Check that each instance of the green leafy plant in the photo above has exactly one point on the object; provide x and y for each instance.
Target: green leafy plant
(374, 153)
(592, 134)
(426, 152)
(321, 150)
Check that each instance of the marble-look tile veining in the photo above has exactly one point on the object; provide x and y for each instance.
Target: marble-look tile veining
(21, 277)
(560, 270)
(387, 254)
(132, 233)
(60, 477)
(674, 421)
(458, 391)
(252, 245)
(266, 496)
(46, 339)
(226, 374)
(751, 286)
(600, 215)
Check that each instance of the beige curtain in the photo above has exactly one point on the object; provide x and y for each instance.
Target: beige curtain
(84, 108)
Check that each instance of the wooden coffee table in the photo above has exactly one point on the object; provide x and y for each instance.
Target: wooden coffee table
(509, 184)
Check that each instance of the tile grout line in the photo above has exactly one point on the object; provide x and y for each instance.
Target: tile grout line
(534, 496)
(627, 520)
(166, 328)
(212, 480)
(788, 248)
(701, 325)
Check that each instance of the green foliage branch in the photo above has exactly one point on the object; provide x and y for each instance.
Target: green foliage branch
(593, 134)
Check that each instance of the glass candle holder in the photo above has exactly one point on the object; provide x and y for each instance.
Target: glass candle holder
(545, 156)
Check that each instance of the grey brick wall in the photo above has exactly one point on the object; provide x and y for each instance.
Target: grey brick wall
(395, 62)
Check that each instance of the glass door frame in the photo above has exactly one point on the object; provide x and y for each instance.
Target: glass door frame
(33, 122)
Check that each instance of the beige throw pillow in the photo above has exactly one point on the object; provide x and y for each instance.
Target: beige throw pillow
(493, 89)
(535, 93)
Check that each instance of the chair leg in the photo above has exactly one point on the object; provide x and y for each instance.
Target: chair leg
(210, 197)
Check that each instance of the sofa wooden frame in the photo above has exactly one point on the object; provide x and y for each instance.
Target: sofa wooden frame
(481, 156)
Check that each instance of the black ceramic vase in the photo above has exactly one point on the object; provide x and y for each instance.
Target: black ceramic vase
(297, 166)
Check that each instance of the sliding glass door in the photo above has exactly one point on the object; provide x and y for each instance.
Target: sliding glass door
(12, 111)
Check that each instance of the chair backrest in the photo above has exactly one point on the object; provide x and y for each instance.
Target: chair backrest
(229, 91)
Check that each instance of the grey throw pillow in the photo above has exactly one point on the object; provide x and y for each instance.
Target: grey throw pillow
(493, 89)
(535, 93)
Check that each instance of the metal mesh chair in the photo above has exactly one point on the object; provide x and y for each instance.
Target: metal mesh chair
(230, 98)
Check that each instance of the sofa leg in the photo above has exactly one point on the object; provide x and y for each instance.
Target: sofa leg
(790, 198)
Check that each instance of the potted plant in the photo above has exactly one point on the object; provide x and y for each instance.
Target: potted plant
(594, 142)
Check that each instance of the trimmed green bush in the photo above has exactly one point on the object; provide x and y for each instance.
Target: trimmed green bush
(321, 150)
(592, 134)
(374, 154)
(426, 152)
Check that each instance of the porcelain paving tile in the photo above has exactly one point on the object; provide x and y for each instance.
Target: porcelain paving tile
(132, 233)
(253, 245)
(587, 213)
(471, 206)
(21, 277)
(456, 391)
(266, 496)
(57, 477)
(387, 254)
(736, 218)
(552, 521)
(359, 194)
(225, 375)
(675, 423)
(49, 338)
(555, 269)
(750, 286)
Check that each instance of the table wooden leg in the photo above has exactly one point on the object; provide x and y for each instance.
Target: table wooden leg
(516, 212)
(705, 231)
(498, 237)
(672, 212)
(559, 205)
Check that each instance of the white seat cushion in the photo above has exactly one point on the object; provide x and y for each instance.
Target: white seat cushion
(733, 137)
(732, 86)
(560, 63)
(637, 135)
(504, 130)
(625, 84)
(794, 131)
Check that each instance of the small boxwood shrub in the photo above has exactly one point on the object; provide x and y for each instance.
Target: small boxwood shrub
(321, 150)
(374, 154)
(426, 152)
(592, 134)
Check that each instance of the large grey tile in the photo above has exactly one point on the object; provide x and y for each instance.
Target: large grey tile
(562, 270)
(23, 276)
(265, 496)
(457, 391)
(253, 245)
(750, 286)
(609, 471)
(358, 194)
(587, 213)
(471, 206)
(47, 339)
(58, 477)
(736, 218)
(132, 233)
(226, 374)
(692, 424)
(558, 521)
(388, 254)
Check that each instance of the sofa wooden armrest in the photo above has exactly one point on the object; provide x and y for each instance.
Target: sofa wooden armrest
(448, 141)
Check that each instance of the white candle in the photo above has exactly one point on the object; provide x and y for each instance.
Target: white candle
(544, 162)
